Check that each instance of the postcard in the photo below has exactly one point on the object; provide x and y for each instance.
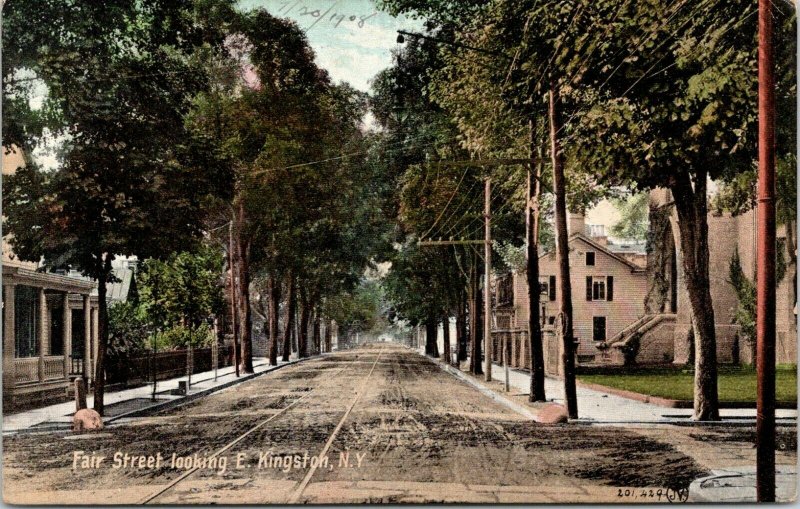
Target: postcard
(399, 252)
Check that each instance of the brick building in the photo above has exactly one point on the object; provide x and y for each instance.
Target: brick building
(608, 293)
(646, 318)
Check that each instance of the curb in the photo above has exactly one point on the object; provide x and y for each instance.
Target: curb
(485, 391)
(174, 403)
(165, 405)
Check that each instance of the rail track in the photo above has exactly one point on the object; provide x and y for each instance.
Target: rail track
(297, 492)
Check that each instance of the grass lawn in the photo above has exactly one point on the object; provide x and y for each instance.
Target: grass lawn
(735, 383)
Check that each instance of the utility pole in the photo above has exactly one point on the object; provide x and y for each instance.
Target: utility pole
(562, 253)
(486, 241)
(487, 289)
(537, 392)
(765, 272)
(233, 299)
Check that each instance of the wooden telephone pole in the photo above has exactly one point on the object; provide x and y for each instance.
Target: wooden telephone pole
(765, 271)
(487, 247)
(488, 344)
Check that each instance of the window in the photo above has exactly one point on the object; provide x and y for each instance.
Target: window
(599, 328)
(544, 287)
(26, 330)
(57, 331)
(547, 287)
(590, 258)
(551, 320)
(600, 288)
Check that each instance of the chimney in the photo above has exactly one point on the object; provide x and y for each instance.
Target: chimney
(598, 233)
(576, 223)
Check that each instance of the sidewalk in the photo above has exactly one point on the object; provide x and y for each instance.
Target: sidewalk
(128, 402)
(600, 407)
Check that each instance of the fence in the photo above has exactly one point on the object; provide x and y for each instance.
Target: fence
(165, 365)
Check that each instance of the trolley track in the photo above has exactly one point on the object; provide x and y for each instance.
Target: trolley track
(279, 413)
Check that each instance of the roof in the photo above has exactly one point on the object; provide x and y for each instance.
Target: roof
(120, 290)
(21, 275)
(601, 248)
(634, 247)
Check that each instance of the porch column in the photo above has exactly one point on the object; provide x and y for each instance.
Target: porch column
(95, 335)
(9, 340)
(87, 340)
(44, 345)
(66, 326)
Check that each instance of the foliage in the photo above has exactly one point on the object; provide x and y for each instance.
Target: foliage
(361, 308)
(746, 291)
(128, 328)
(180, 337)
(634, 213)
(124, 154)
(184, 288)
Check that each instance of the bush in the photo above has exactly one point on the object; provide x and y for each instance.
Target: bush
(128, 330)
(180, 337)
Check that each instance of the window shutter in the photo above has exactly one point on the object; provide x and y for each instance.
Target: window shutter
(610, 288)
(552, 288)
(588, 287)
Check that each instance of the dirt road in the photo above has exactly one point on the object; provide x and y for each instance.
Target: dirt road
(376, 424)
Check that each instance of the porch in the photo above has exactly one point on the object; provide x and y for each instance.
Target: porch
(49, 335)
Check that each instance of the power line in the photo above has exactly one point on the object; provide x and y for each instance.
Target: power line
(458, 186)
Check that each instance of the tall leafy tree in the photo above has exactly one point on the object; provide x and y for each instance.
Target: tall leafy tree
(119, 77)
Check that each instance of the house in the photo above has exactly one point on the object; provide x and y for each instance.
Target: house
(668, 299)
(49, 324)
(650, 320)
(608, 294)
(124, 288)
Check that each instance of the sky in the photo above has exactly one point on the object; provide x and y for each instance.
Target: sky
(352, 39)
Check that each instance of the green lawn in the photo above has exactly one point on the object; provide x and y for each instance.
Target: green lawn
(735, 383)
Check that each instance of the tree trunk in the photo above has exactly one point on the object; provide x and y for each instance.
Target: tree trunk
(296, 322)
(246, 319)
(448, 358)
(462, 337)
(232, 268)
(274, 289)
(536, 361)
(316, 333)
(305, 311)
(475, 305)
(562, 253)
(791, 248)
(289, 320)
(328, 336)
(431, 337)
(692, 208)
(102, 335)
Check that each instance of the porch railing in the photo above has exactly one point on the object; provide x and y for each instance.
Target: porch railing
(28, 370)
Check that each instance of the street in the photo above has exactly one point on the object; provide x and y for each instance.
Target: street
(376, 424)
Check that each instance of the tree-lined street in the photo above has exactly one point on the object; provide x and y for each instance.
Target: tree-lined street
(210, 178)
(420, 434)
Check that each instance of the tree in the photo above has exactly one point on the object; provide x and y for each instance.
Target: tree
(680, 113)
(184, 288)
(633, 222)
(125, 154)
